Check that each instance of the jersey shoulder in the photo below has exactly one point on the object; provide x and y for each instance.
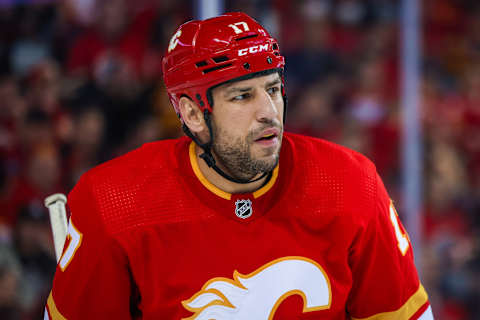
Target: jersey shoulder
(126, 190)
(340, 180)
(326, 152)
(133, 168)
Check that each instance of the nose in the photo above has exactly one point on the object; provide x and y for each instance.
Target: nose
(267, 109)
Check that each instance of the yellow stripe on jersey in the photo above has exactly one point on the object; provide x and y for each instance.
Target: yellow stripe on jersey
(413, 304)
(222, 194)
(52, 308)
(207, 184)
(260, 192)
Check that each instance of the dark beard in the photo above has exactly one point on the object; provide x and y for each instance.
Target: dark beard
(235, 155)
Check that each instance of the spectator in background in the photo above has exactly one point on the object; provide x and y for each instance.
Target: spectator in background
(119, 55)
(10, 277)
(314, 111)
(5, 187)
(470, 137)
(31, 45)
(370, 106)
(12, 112)
(367, 101)
(112, 51)
(87, 148)
(41, 178)
(80, 12)
(473, 39)
(147, 130)
(165, 116)
(33, 244)
(314, 60)
(43, 91)
(34, 130)
(42, 87)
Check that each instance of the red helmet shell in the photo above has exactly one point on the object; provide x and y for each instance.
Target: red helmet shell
(202, 54)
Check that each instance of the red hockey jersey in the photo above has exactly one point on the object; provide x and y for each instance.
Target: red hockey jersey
(151, 238)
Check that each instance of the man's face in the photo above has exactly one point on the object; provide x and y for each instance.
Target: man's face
(247, 122)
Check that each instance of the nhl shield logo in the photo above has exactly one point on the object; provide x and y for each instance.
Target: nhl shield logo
(243, 208)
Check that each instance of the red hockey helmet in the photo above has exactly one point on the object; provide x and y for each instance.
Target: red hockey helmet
(204, 54)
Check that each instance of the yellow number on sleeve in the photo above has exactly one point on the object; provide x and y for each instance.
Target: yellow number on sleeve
(75, 237)
(402, 239)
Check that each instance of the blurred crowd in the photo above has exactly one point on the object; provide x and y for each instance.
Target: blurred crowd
(80, 83)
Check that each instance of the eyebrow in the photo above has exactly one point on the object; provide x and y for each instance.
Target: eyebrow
(247, 89)
(273, 82)
(237, 89)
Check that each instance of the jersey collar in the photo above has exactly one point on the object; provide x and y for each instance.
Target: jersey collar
(214, 201)
(215, 190)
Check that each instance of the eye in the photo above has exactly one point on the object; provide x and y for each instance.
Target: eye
(241, 97)
(273, 90)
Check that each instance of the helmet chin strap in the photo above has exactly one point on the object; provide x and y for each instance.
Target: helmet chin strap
(207, 152)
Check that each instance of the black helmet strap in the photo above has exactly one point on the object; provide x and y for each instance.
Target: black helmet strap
(207, 152)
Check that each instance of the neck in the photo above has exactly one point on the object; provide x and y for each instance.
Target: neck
(223, 184)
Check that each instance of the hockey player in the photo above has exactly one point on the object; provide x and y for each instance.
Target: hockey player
(239, 220)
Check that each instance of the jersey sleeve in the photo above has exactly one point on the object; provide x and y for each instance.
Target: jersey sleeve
(92, 280)
(385, 280)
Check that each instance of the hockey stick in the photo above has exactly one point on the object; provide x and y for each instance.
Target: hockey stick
(58, 220)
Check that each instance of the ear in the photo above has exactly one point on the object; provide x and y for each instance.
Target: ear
(193, 117)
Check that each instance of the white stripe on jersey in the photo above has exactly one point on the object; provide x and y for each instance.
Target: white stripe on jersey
(427, 315)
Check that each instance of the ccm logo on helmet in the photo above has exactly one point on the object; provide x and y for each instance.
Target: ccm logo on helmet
(253, 49)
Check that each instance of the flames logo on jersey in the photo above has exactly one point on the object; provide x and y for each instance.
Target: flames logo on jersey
(258, 294)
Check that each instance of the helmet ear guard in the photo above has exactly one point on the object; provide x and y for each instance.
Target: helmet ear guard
(203, 55)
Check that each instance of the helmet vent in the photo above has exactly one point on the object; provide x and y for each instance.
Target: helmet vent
(275, 46)
(201, 64)
(247, 37)
(216, 68)
(220, 59)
